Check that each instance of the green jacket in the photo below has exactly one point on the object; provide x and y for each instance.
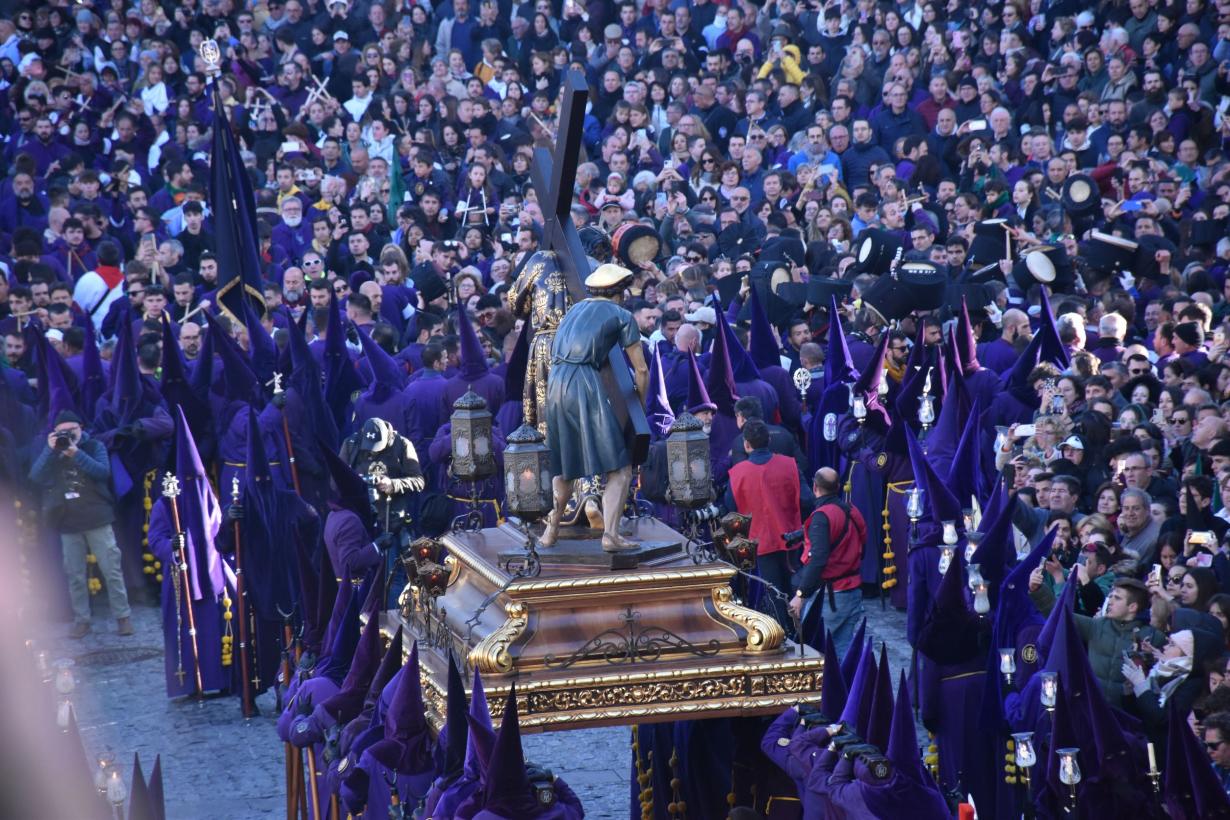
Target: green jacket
(1106, 641)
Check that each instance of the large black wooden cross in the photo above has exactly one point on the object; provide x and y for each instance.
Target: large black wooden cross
(554, 176)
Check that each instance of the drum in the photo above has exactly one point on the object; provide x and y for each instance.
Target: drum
(1106, 253)
(634, 243)
(821, 289)
(876, 249)
(1035, 264)
(915, 286)
(1080, 194)
(990, 243)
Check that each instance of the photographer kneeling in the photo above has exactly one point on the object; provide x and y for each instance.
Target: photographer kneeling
(74, 472)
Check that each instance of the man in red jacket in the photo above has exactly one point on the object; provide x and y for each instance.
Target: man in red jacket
(833, 541)
(766, 487)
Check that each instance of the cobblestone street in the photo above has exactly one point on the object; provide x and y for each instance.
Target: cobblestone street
(216, 765)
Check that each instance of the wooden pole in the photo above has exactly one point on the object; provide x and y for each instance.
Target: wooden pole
(170, 490)
(245, 694)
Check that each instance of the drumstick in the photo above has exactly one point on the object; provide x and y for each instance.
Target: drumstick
(1007, 241)
(202, 306)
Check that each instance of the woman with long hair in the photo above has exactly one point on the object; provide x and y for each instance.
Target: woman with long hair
(706, 174)
(477, 203)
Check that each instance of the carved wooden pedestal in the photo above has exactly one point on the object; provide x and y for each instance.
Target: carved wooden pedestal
(589, 646)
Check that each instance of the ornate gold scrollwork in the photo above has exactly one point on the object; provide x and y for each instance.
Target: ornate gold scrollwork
(491, 655)
(763, 633)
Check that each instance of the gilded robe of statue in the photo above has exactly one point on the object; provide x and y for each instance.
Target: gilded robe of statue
(540, 296)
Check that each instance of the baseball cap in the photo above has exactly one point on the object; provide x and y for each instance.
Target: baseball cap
(1074, 442)
(704, 314)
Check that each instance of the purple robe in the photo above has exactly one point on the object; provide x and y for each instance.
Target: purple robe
(488, 385)
(763, 391)
(983, 385)
(425, 409)
(855, 792)
(789, 405)
(861, 352)
(490, 491)
(349, 544)
(380, 402)
(206, 612)
(998, 355)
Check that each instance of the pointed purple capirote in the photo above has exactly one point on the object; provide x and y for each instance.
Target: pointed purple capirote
(406, 747)
(139, 806)
(967, 342)
(480, 714)
(996, 553)
(1052, 349)
(879, 725)
(341, 378)
(156, 794)
(349, 491)
(94, 380)
(963, 472)
(239, 382)
(514, 375)
(741, 365)
(1190, 787)
(54, 373)
(458, 728)
(763, 344)
(854, 653)
(657, 403)
(698, 395)
(940, 502)
(126, 389)
(720, 380)
(833, 695)
(470, 351)
(347, 702)
(387, 375)
(902, 747)
(869, 381)
(263, 350)
(838, 366)
(506, 791)
(200, 514)
(859, 701)
(953, 416)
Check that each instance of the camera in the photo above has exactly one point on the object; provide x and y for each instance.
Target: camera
(64, 440)
(793, 538)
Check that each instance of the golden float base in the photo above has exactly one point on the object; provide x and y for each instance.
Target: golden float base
(590, 646)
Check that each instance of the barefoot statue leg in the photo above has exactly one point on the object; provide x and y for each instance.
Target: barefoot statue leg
(562, 491)
(614, 496)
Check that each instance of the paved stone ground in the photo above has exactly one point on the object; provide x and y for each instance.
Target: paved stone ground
(216, 765)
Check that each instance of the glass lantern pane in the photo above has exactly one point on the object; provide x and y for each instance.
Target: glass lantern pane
(527, 481)
(461, 446)
(677, 471)
(700, 469)
(482, 444)
(544, 480)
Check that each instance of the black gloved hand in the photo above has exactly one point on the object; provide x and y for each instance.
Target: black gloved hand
(279, 400)
(179, 541)
(385, 542)
(234, 512)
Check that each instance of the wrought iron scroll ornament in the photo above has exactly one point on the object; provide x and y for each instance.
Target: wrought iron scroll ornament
(632, 644)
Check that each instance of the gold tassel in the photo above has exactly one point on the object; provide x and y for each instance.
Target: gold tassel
(228, 638)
